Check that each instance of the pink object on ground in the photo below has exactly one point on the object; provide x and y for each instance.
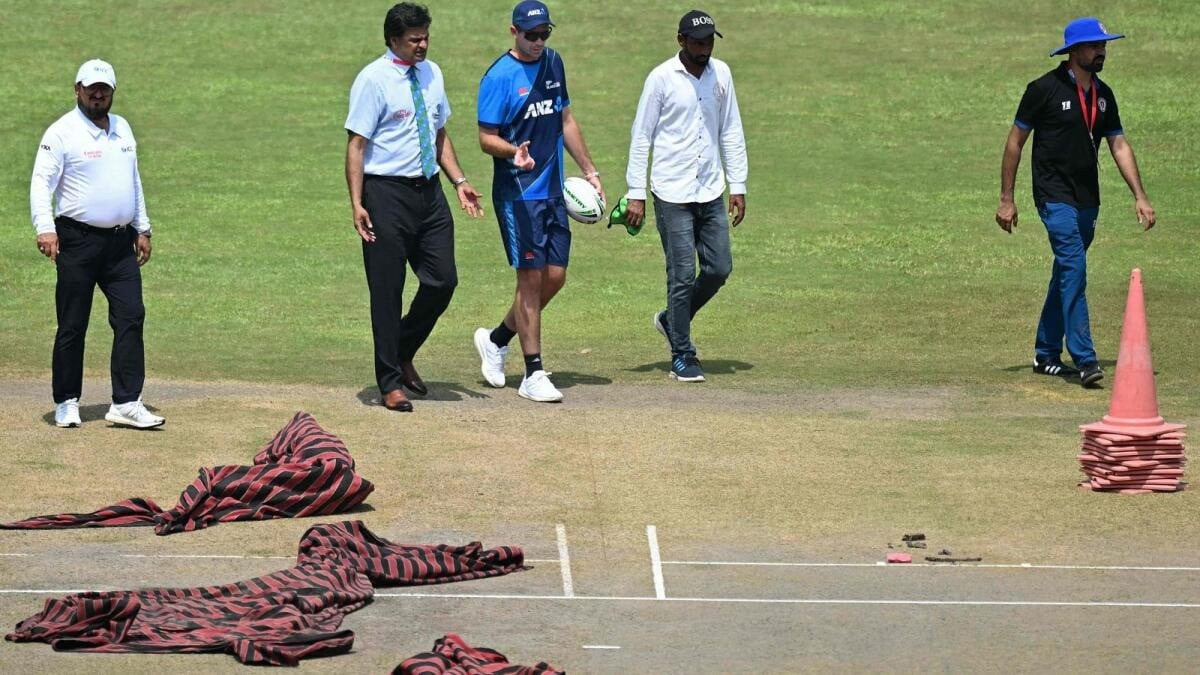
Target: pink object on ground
(899, 558)
(1109, 439)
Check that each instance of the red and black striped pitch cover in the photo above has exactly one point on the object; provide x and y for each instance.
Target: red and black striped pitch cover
(278, 619)
(303, 471)
(452, 655)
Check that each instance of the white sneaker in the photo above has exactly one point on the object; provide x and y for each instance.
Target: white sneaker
(133, 414)
(538, 387)
(66, 414)
(491, 358)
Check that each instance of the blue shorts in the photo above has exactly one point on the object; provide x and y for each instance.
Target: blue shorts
(535, 233)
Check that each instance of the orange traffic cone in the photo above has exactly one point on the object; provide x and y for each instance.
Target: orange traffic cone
(1132, 450)
(1133, 410)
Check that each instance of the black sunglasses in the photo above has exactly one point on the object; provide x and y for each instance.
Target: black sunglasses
(536, 36)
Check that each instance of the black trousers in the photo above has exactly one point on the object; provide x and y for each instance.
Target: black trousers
(413, 226)
(89, 256)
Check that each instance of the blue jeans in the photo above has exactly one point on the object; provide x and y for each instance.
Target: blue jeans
(687, 230)
(1066, 311)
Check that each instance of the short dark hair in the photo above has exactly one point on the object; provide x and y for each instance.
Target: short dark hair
(402, 17)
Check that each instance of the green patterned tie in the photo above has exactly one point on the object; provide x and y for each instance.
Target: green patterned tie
(428, 155)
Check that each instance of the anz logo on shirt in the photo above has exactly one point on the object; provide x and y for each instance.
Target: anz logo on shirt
(542, 108)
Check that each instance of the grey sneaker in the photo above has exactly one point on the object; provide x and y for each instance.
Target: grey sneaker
(66, 414)
(660, 325)
(133, 414)
(687, 369)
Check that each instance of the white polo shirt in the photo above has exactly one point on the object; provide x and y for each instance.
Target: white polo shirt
(690, 125)
(382, 111)
(92, 175)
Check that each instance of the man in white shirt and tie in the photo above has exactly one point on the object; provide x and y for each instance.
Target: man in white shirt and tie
(688, 118)
(397, 138)
(90, 216)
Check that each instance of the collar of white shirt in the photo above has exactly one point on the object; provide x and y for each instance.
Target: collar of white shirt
(401, 63)
(678, 64)
(94, 130)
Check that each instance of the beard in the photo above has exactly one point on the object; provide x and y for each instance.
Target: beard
(95, 110)
(1095, 66)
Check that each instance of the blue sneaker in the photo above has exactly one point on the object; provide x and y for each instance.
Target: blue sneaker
(687, 369)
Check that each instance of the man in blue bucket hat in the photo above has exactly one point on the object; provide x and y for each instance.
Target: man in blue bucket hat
(1071, 110)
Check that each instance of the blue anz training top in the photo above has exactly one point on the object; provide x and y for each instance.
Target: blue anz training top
(524, 102)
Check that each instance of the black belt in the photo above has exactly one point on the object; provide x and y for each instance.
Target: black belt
(414, 181)
(63, 220)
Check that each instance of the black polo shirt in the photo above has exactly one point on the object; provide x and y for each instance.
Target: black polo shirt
(1065, 165)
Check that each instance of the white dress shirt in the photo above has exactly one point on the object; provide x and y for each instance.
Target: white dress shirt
(92, 175)
(689, 124)
(383, 112)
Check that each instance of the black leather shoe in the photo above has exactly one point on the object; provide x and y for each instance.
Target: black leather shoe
(412, 380)
(396, 400)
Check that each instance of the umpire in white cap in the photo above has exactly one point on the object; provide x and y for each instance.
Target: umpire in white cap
(90, 215)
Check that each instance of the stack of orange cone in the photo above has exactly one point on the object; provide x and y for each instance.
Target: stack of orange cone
(1132, 450)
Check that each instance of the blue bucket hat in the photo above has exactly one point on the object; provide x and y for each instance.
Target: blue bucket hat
(531, 14)
(1085, 29)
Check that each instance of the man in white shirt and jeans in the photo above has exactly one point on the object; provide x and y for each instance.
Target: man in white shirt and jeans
(90, 215)
(688, 117)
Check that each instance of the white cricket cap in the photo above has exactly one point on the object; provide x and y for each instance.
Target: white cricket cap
(95, 71)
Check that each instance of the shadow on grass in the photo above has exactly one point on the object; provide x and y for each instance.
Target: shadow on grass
(1070, 377)
(438, 391)
(564, 379)
(713, 366)
(95, 413)
(453, 391)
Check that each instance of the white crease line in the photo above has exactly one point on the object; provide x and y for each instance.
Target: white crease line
(797, 601)
(601, 647)
(1134, 568)
(51, 591)
(564, 560)
(745, 601)
(207, 556)
(660, 590)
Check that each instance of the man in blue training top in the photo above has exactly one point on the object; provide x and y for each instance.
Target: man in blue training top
(525, 121)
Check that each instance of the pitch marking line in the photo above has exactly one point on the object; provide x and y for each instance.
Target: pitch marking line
(798, 601)
(206, 556)
(1027, 566)
(660, 591)
(601, 647)
(743, 601)
(564, 561)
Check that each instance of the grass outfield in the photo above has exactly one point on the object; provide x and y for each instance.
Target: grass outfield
(874, 340)
(869, 252)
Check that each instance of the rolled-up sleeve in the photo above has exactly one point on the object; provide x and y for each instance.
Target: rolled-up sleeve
(47, 171)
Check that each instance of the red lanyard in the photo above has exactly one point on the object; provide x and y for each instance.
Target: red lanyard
(1089, 120)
